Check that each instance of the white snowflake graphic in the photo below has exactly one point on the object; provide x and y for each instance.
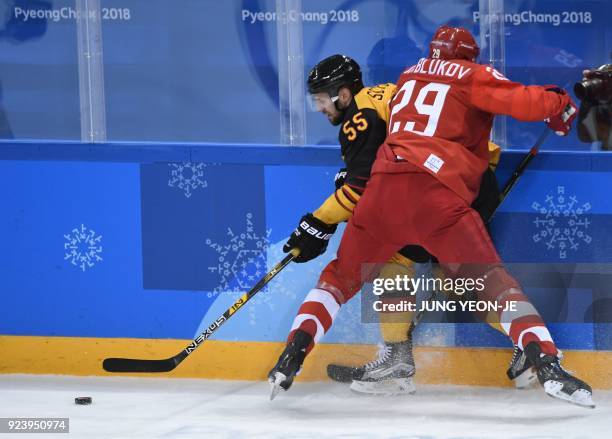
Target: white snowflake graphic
(562, 224)
(83, 247)
(187, 176)
(243, 262)
(240, 265)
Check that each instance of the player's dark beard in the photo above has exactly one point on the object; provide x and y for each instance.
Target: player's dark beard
(340, 117)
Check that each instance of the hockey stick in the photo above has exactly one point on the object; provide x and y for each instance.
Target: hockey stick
(502, 196)
(519, 170)
(168, 364)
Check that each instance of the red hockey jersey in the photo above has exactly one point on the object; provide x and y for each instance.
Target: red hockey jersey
(441, 117)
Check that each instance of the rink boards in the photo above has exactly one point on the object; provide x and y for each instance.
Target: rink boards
(134, 249)
(232, 360)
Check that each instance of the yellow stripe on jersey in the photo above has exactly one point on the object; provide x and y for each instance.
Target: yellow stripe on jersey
(338, 207)
(400, 259)
(494, 155)
(377, 98)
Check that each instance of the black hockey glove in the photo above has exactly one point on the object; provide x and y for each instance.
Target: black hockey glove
(311, 236)
(340, 178)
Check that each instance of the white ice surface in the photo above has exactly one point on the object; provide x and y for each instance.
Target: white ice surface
(186, 409)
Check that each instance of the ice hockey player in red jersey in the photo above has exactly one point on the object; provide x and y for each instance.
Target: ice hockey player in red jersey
(336, 90)
(426, 175)
(363, 115)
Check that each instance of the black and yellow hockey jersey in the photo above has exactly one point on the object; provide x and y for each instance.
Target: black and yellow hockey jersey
(362, 131)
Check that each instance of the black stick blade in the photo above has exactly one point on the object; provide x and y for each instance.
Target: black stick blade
(343, 374)
(142, 366)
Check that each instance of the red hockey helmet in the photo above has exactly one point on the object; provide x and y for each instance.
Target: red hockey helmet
(453, 43)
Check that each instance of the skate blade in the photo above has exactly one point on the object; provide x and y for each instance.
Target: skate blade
(580, 397)
(526, 380)
(275, 384)
(389, 387)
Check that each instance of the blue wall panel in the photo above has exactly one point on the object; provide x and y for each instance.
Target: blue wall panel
(72, 255)
(128, 249)
(193, 216)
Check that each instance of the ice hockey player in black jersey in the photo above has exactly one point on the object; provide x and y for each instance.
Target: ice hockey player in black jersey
(336, 90)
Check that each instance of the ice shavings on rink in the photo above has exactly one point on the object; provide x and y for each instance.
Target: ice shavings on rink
(177, 408)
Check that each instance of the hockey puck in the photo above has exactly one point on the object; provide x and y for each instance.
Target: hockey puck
(82, 400)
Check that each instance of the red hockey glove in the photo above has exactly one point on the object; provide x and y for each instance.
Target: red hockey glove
(561, 124)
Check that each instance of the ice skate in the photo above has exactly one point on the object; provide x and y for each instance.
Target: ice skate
(557, 382)
(390, 374)
(521, 371)
(289, 363)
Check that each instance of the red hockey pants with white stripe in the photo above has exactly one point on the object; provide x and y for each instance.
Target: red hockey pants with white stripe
(403, 204)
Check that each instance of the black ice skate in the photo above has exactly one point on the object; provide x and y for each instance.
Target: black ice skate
(390, 374)
(289, 363)
(521, 371)
(557, 382)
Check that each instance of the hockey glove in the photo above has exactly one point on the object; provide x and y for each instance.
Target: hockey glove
(311, 236)
(562, 123)
(340, 178)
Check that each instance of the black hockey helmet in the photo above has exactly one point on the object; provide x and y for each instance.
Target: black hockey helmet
(334, 72)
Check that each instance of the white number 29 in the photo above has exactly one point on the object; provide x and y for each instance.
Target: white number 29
(431, 110)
